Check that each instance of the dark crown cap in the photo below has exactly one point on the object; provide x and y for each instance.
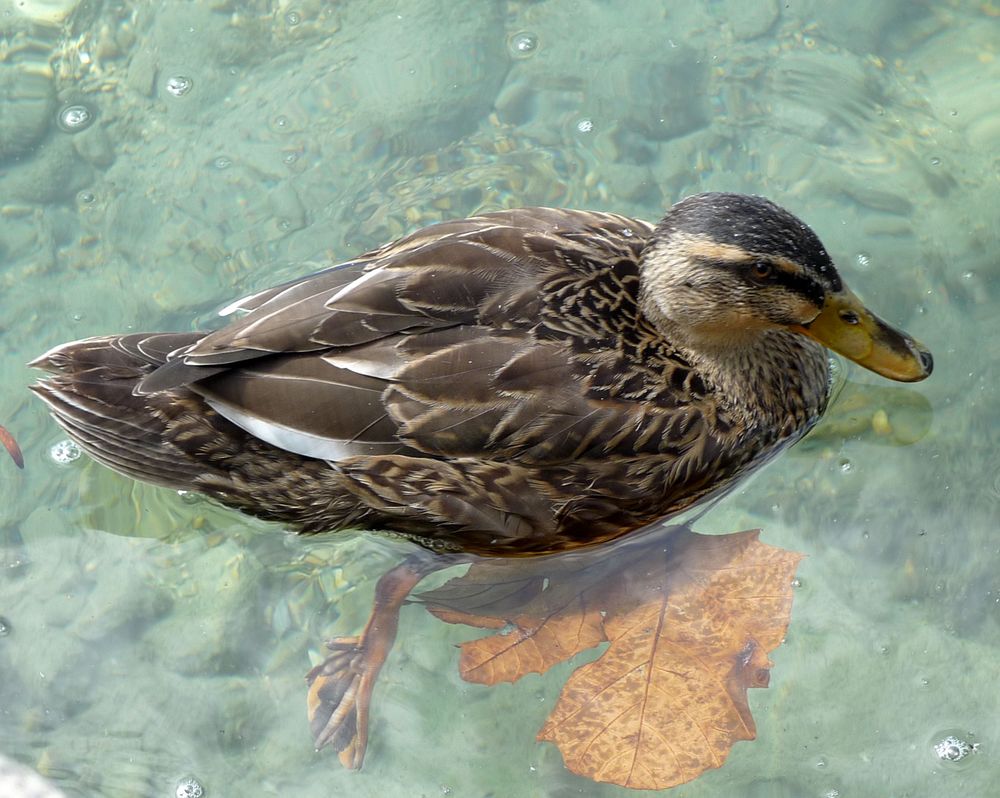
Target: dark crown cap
(752, 223)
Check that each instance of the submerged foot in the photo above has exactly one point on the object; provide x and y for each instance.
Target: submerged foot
(340, 691)
(340, 687)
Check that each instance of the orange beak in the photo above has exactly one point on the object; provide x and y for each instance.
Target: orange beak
(847, 327)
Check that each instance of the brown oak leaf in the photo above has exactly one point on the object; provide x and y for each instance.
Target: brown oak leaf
(690, 619)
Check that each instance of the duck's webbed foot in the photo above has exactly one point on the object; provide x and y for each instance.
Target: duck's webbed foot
(339, 693)
(340, 687)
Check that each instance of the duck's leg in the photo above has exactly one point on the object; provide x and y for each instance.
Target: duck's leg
(340, 687)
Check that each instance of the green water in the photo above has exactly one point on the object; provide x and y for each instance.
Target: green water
(153, 636)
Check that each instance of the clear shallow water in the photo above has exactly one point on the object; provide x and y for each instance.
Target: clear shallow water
(153, 637)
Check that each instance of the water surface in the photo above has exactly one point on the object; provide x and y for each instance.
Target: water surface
(232, 145)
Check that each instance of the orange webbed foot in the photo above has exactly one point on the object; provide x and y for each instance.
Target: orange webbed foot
(340, 687)
(340, 690)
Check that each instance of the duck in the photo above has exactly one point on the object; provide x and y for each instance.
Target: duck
(518, 383)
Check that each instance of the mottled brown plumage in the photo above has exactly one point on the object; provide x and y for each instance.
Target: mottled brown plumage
(520, 382)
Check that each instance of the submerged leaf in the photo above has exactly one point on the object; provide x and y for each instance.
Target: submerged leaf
(667, 700)
(11, 446)
(690, 620)
(533, 646)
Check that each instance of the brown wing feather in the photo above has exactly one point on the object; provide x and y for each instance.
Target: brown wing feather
(456, 340)
(303, 404)
(451, 273)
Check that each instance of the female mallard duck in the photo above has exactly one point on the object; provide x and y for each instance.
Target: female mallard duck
(520, 382)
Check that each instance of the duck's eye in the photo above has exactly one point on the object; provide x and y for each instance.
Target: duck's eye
(849, 317)
(761, 269)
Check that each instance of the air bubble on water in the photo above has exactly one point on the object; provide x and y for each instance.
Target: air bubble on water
(222, 162)
(954, 749)
(4, 627)
(65, 452)
(292, 18)
(523, 44)
(178, 85)
(74, 118)
(189, 787)
(864, 260)
(585, 125)
(845, 465)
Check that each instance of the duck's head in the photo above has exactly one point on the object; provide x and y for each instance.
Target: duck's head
(721, 269)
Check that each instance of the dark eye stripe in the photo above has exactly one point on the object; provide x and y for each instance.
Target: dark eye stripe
(801, 284)
(798, 283)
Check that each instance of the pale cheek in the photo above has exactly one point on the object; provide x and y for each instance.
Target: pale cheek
(695, 307)
(729, 315)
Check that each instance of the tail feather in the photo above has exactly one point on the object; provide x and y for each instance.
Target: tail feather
(138, 454)
(116, 354)
(92, 396)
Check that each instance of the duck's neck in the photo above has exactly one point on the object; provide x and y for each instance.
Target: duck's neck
(772, 376)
